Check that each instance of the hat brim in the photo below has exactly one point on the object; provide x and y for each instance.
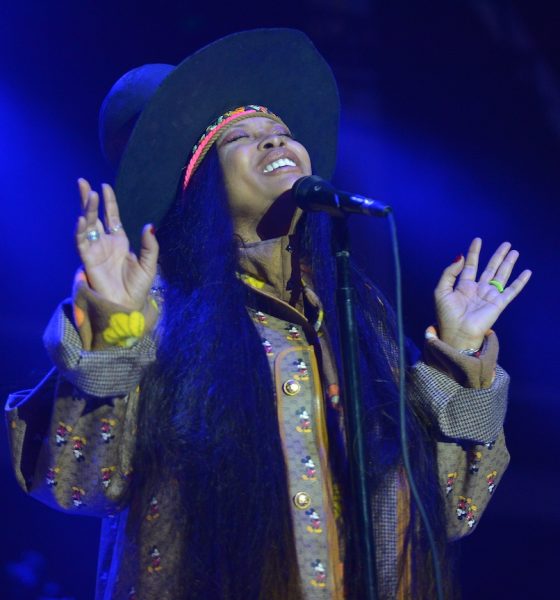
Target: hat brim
(276, 68)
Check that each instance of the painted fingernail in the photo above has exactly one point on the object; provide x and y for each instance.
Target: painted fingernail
(152, 230)
(457, 258)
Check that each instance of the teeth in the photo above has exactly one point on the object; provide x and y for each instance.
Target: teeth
(281, 162)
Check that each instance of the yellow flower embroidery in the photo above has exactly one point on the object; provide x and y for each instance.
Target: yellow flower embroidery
(124, 329)
(252, 281)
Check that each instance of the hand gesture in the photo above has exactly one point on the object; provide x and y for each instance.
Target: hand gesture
(112, 270)
(466, 308)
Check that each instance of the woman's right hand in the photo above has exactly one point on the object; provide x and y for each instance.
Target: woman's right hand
(112, 270)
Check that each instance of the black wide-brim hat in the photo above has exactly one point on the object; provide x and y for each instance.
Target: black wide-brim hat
(154, 115)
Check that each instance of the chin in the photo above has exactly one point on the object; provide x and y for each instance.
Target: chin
(275, 222)
(285, 182)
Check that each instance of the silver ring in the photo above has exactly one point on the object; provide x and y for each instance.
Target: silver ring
(93, 235)
(116, 228)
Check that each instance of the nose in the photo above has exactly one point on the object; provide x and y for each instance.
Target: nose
(272, 140)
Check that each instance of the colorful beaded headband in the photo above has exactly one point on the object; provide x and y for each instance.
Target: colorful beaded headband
(210, 134)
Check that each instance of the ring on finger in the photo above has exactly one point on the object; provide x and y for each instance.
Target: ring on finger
(115, 228)
(498, 285)
(92, 235)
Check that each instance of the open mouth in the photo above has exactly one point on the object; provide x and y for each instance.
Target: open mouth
(279, 164)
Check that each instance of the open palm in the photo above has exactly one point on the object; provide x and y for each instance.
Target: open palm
(112, 270)
(466, 308)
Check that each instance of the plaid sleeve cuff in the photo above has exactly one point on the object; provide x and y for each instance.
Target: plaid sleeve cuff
(476, 371)
(114, 371)
(461, 413)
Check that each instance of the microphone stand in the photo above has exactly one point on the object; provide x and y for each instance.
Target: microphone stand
(360, 501)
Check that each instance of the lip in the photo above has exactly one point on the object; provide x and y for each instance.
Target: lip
(277, 154)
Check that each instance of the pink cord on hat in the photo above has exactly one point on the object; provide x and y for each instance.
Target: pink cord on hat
(209, 136)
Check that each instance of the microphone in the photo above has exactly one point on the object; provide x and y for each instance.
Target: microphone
(316, 194)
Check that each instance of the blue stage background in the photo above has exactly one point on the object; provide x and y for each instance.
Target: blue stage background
(451, 113)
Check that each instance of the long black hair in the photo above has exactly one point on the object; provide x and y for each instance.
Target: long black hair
(208, 419)
(211, 394)
(379, 358)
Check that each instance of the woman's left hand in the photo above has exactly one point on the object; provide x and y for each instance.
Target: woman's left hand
(466, 308)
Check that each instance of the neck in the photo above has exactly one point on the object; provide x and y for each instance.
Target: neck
(274, 261)
(245, 230)
(279, 220)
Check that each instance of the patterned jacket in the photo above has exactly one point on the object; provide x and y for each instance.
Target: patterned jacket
(73, 437)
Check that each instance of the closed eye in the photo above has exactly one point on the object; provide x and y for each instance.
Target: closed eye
(238, 135)
(235, 137)
(282, 133)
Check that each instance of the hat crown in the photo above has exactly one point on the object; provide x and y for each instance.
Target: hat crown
(123, 105)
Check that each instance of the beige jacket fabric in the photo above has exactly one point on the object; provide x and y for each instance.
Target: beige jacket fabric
(73, 438)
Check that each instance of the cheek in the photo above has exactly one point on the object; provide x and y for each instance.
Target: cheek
(305, 159)
(230, 170)
(235, 162)
(237, 181)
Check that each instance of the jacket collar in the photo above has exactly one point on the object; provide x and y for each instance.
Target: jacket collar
(273, 266)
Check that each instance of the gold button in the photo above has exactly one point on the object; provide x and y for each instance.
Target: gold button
(302, 500)
(291, 387)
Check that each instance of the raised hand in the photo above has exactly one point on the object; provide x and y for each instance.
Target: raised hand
(112, 270)
(466, 308)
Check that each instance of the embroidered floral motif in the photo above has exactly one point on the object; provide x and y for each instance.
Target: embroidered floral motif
(124, 329)
(127, 475)
(320, 574)
(471, 517)
(293, 333)
(490, 445)
(302, 371)
(78, 444)
(155, 564)
(451, 477)
(261, 318)
(106, 475)
(77, 496)
(267, 347)
(62, 433)
(310, 469)
(153, 510)
(51, 476)
(474, 464)
(314, 521)
(106, 429)
(462, 505)
(466, 510)
(491, 480)
(304, 421)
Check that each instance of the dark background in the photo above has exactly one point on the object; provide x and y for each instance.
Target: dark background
(451, 113)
